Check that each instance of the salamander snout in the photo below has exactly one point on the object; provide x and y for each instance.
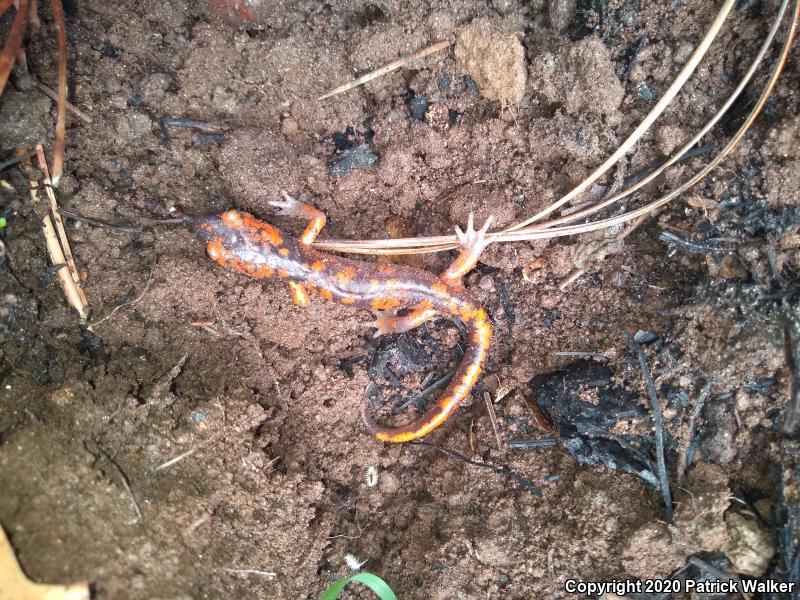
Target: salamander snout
(237, 234)
(205, 227)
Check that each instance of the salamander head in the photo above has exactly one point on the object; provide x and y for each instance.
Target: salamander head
(238, 240)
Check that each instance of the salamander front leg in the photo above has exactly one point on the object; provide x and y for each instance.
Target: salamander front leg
(290, 207)
(472, 244)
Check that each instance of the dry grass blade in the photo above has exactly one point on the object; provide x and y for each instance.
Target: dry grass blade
(68, 259)
(71, 290)
(792, 416)
(686, 147)
(661, 105)
(487, 398)
(13, 41)
(609, 222)
(61, 102)
(388, 68)
(439, 243)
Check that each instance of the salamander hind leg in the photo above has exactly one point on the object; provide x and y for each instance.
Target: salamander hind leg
(387, 322)
(472, 244)
(289, 207)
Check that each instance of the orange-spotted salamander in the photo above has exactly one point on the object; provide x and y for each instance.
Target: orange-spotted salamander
(238, 241)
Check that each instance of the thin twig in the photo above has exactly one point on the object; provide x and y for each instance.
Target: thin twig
(134, 301)
(683, 452)
(487, 398)
(137, 510)
(388, 68)
(520, 481)
(529, 444)
(61, 101)
(792, 416)
(422, 395)
(126, 483)
(658, 425)
(98, 222)
(70, 107)
(265, 574)
(195, 124)
(17, 159)
(175, 460)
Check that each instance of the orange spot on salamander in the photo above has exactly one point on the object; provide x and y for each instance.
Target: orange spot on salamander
(326, 294)
(345, 274)
(385, 269)
(283, 273)
(469, 313)
(317, 266)
(215, 250)
(258, 272)
(283, 252)
(263, 230)
(232, 219)
(385, 303)
(347, 300)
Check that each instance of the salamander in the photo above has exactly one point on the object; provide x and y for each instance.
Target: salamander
(239, 241)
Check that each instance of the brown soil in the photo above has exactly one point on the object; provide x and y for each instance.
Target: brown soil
(263, 399)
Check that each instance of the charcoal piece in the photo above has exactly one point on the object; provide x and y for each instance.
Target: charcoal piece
(417, 105)
(404, 353)
(351, 159)
(93, 347)
(585, 427)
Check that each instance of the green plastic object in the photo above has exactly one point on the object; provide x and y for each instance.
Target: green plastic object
(2, 222)
(373, 582)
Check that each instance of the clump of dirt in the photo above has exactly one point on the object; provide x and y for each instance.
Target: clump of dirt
(494, 58)
(701, 505)
(579, 77)
(750, 549)
(651, 552)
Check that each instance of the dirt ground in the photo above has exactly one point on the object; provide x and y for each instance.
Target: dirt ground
(205, 440)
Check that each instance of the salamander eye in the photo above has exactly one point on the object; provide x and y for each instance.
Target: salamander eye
(232, 218)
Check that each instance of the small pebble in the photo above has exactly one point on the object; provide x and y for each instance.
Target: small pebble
(644, 337)
(289, 125)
